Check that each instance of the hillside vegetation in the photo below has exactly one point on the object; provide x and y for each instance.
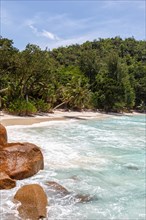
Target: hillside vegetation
(106, 74)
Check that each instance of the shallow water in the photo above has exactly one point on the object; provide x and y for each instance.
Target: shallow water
(101, 158)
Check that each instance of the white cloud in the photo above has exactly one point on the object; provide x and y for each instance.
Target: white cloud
(34, 29)
(49, 35)
(69, 41)
(43, 33)
(62, 29)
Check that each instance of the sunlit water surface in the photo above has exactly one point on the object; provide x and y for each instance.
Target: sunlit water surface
(101, 158)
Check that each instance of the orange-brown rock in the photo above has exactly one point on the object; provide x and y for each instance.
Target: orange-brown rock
(3, 135)
(33, 202)
(57, 187)
(21, 160)
(6, 182)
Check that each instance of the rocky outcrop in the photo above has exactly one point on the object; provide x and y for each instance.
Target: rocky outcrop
(6, 182)
(21, 160)
(33, 202)
(58, 188)
(83, 198)
(17, 160)
(3, 136)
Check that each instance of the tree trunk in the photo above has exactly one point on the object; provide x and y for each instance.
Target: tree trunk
(60, 105)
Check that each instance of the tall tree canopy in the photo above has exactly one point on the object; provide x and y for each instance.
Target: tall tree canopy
(107, 74)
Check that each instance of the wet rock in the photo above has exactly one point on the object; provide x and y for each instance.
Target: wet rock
(57, 187)
(6, 182)
(33, 202)
(132, 167)
(83, 198)
(64, 192)
(74, 178)
(3, 136)
(21, 160)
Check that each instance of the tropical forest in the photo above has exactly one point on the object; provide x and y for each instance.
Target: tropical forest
(108, 75)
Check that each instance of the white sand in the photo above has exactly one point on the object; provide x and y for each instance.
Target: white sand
(8, 120)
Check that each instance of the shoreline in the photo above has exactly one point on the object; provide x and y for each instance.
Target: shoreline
(58, 115)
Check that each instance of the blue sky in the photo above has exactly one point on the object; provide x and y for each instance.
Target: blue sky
(59, 23)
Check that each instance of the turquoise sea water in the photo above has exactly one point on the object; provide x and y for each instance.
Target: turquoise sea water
(101, 158)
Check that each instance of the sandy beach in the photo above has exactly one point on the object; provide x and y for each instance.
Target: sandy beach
(9, 120)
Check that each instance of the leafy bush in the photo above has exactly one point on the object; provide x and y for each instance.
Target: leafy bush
(22, 107)
(42, 106)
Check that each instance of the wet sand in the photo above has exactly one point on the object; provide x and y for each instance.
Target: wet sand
(9, 120)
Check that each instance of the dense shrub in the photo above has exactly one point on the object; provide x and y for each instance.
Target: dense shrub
(42, 106)
(106, 74)
(22, 107)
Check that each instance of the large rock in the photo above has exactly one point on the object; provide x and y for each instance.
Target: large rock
(3, 135)
(6, 182)
(64, 192)
(33, 202)
(58, 188)
(21, 160)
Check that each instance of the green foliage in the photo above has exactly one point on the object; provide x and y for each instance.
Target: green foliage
(73, 90)
(108, 74)
(41, 106)
(21, 107)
